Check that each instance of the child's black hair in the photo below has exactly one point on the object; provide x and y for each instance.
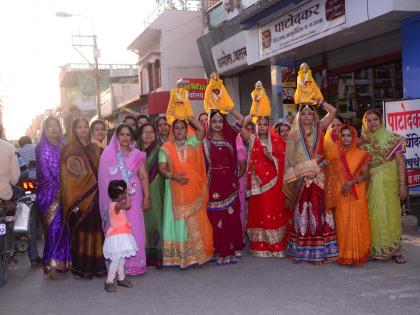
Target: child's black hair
(116, 187)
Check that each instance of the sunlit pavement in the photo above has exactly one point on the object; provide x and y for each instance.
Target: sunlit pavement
(254, 286)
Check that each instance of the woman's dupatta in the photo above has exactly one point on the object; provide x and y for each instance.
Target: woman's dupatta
(79, 180)
(381, 145)
(261, 179)
(47, 153)
(190, 199)
(303, 158)
(353, 160)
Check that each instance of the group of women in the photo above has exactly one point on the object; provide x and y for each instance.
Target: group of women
(312, 197)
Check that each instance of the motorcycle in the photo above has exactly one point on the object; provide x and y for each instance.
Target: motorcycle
(24, 206)
(14, 225)
(7, 239)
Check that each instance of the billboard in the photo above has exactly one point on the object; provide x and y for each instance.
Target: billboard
(196, 88)
(299, 24)
(403, 118)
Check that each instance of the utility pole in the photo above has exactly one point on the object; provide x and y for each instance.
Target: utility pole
(96, 54)
(97, 77)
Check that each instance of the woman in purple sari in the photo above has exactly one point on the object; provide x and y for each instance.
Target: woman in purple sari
(56, 256)
(120, 160)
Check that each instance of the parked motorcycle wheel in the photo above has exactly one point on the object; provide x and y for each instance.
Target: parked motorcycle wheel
(21, 245)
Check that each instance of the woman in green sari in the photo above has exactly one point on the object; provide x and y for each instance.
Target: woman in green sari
(153, 217)
(387, 186)
(187, 231)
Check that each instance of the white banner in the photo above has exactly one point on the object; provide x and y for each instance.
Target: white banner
(231, 53)
(299, 24)
(403, 118)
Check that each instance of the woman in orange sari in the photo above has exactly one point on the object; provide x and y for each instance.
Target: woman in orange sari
(350, 201)
(187, 232)
(331, 156)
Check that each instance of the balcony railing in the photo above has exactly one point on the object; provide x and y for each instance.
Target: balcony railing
(192, 5)
(218, 14)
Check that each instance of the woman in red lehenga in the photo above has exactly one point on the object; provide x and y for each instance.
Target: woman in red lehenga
(312, 235)
(223, 208)
(267, 217)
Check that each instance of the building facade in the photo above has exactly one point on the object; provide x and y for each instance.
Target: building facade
(78, 89)
(361, 52)
(167, 50)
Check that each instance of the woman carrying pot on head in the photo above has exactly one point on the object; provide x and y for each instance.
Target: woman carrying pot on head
(312, 235)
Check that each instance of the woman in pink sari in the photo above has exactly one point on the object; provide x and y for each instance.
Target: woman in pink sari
(120, 160)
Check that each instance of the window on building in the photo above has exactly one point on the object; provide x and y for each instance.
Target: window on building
(150, 76)
(157, 74)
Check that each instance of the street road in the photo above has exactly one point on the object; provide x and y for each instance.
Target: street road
(254, 286)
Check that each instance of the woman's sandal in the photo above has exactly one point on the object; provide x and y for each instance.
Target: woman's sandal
(36, 263)
(125, 283)
(399, 259)
(110, 287)
(53, 275)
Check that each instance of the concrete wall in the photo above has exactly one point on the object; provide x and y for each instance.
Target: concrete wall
(178, 46)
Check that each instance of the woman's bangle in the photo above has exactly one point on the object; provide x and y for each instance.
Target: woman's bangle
(169, 175)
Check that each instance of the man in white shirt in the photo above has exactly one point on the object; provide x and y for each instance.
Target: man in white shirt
(9, 168)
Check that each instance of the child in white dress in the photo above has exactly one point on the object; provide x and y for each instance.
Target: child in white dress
(119, 242)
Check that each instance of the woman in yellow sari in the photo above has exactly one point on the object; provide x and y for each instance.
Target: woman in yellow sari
(187, 232)
(387, 186)
(350, 202)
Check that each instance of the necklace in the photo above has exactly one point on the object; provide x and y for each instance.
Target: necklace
(181, 150)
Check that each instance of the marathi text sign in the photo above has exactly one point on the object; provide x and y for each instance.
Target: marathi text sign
(299, 24)
(195, 87)
(403, 118)
(231, 53)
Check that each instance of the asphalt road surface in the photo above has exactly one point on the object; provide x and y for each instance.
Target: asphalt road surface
(253, 286)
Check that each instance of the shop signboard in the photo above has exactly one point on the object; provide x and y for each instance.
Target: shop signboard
(288, 84)
(403, 118)
(231, 53)
(299, 24)
(196, 88)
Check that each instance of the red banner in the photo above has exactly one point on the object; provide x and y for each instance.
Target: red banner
(195, 87)
(413, 177)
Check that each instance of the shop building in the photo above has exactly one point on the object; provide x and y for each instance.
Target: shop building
(78, 89)
(361, 52)
(167, 50)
